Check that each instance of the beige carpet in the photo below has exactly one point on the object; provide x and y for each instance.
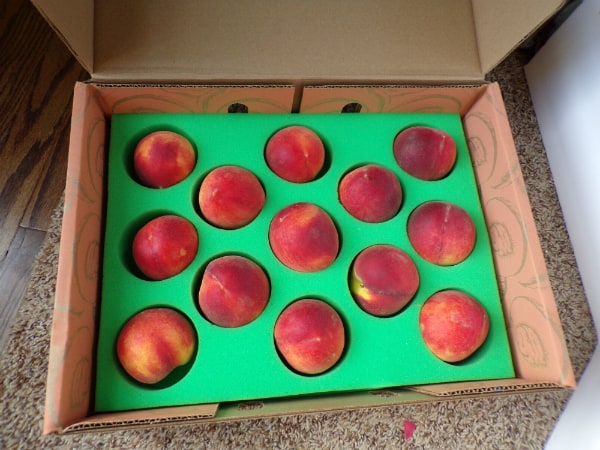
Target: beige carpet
(520, 421)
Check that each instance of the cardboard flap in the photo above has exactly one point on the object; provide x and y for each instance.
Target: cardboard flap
(73, 21)
(289, 41)
(503, 25)
(293, 42)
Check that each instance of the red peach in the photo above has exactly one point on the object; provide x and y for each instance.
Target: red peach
(163, 158)
(304, 238)
(441, 232)
(371, 193)
(295, 153)
(234, 291)
(453, 325)
(426, 153)
(154, 342)
(165, 246)
(383, 279)
(231, 197)
(310, 336)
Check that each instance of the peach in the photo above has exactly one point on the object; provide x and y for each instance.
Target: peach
(383, 280)
(234, 291)
(155, 342)
(425, 153)
(304, 238)
(295, 153)
(165, 246)
(163, 158)
(441, 232)
(310, 336)
(230, 197)
(371, 193)
(453, 325)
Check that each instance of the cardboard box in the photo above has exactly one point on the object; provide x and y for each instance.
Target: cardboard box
(295, 57)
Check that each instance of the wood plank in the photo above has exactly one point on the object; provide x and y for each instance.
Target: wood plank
(51, 99)
(38, 74)
(15, 273)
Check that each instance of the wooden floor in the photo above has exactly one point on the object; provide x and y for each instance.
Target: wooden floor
(37, 74)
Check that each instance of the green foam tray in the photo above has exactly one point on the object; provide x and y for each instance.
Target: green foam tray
(242, 363)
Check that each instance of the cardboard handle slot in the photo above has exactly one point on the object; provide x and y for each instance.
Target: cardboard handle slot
(352, 107)
(237, 108)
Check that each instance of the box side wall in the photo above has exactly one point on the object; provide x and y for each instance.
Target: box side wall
(73, 334)
(148, 417)
(280, 407)
(354, 400)
(391, 99)
(232, 411)
(196, 99)
(307, 404)
(536, 335)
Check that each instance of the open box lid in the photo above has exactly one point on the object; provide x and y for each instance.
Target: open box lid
(293, 41)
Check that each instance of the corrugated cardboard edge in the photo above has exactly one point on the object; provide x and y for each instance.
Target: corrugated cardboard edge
(146, 418)
(483, 387)
(72, 339)
(537, 338)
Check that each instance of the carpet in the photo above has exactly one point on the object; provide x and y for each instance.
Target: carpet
(520, 421)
